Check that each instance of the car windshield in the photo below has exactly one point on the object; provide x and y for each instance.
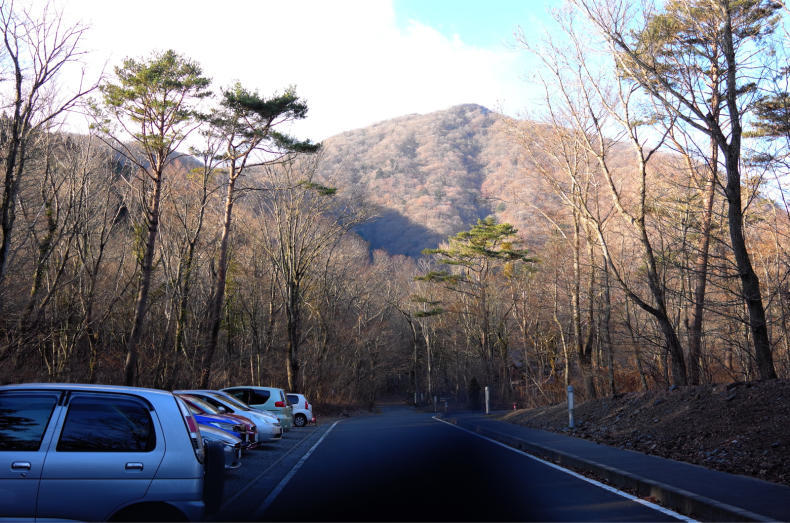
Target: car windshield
(203, 405)
(227, 398)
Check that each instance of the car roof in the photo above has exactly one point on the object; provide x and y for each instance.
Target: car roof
(84, 387)
(197, 391)
(253, 387)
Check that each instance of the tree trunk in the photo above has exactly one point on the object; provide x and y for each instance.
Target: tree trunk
(701, 273)
(293, 320)
(586, 358)
(218, 293)
(606, 330)
(146, 269)
(750, 283)
(428, 363)
(14, 165)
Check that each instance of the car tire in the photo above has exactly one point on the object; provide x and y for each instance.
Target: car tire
(214, 477)
(300, 420)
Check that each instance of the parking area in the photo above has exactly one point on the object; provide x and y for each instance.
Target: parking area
(262, 470)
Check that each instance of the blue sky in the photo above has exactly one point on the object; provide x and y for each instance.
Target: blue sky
(479, 23)
(355, 62)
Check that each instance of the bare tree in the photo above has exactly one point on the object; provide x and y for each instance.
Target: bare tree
(37, 50)
(303, 220)
(584, 107)
(700, 60)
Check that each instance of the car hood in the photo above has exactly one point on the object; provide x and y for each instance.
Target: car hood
(214, 434)
(260, 418)
(215, 418)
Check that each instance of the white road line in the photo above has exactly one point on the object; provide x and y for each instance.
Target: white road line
(252, 483)
(281, 485)
(626, 495)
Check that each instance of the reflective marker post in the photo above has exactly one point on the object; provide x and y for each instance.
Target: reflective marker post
(487, 400)
(570, 406)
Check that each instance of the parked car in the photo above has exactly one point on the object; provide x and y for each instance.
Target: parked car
(269, 428)
(239, 426)
(235, 401)
(270, 399)
(303, 410)
(231, 445)
(97, 452)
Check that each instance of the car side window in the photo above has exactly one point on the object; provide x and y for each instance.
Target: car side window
(240, 394)
(214, 403)
(24, 419)
(293, 399)
(107, 424)
(258, 397)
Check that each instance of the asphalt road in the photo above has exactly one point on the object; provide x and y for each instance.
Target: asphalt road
(402, 465)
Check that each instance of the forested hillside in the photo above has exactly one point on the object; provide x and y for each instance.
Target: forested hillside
(429, 176)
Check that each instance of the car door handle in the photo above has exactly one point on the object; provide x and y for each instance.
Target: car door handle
(20, 465)
(134, 466)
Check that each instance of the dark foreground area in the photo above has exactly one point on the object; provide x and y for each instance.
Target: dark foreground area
(401, 465)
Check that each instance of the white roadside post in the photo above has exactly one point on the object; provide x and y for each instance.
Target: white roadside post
(435, 399)
(488, 397)
(570, 406)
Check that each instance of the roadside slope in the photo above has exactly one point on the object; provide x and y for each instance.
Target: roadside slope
(740, 428)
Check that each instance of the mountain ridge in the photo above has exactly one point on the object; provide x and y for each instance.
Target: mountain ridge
(429, 176)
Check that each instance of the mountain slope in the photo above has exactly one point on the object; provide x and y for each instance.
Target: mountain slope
(430, 176)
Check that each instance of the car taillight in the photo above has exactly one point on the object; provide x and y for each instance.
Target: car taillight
(192, 428)
(306, 406)
(279, 404)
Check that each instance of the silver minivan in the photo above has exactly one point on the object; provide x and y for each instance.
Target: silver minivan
(96, 452)
(270, 399)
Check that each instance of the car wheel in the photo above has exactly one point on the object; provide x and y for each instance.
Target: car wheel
(214, 478)
(300, 420)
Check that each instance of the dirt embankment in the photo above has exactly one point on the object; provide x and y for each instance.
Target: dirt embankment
(741, 428)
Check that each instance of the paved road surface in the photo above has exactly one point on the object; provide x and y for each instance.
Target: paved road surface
(402, 465)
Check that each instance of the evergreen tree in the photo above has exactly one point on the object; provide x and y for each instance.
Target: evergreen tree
(474, 256)
(245, 124)
(151, 102)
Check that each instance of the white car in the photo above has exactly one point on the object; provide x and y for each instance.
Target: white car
(303, 410)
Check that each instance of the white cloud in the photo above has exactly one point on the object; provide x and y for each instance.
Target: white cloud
(348, 58)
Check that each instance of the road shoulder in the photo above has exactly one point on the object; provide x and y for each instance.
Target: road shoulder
(591, 458)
